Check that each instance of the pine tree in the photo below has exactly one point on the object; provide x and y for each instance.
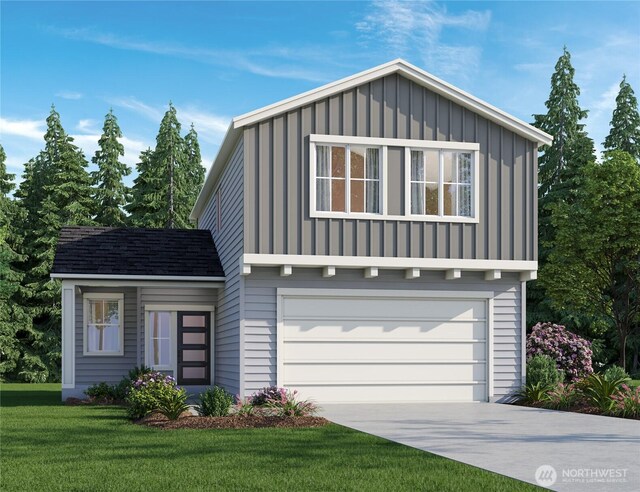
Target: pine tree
(111, 195)
(160, 195)
(560, 171)
(193, 170)
(14, 320)
(56, 192)
(625, 123)
(147, 197)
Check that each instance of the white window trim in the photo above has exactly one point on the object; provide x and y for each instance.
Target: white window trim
(475, 184)
(384, 144)
(314, 212)
(173, 309)
(85, 322)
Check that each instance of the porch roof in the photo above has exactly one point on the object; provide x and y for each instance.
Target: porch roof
(105, 252)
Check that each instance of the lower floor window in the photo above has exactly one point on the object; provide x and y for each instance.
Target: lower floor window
(159, 342)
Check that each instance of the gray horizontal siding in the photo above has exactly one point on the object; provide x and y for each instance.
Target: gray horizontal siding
(261, 315)
(229, 242)
(95, 369)
(277, 179)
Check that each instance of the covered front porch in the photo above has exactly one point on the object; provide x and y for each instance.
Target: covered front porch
(115, 318)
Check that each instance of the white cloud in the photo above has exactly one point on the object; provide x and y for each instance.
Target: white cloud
(133, 104)
(32, 129)
(269, 62)
(87, 126)
(72, 95)
(405, 28)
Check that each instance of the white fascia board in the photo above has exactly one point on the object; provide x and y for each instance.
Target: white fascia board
(320, 261)
(141, 280)
(226, 148)
(412, 72)
(394, 142)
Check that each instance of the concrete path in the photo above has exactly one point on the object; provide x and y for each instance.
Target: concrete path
(576, 452)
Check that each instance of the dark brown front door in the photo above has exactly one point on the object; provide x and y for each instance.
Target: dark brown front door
(194, 348)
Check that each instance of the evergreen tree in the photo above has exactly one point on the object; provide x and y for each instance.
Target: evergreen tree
(14, 320)
(147, 197)
(193, 170)
(111, 195)
(161, 194)
(56, 191)
(625, 123)
(560, 171)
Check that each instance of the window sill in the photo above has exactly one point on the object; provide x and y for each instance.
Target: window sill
(103, 354)
(403, 218)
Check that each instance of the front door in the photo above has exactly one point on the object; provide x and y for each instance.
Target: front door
(194, 348)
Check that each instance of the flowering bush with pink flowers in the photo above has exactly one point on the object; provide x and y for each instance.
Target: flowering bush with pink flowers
(626, 402)
(148, 392)
(287, 404)
(571, 352)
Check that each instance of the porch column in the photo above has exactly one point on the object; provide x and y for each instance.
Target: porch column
(68, 334)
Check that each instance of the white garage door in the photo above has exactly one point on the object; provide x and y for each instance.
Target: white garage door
(383, 348)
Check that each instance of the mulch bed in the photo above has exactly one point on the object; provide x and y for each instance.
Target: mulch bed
(581, 408)
(231, 422)
(75, 402)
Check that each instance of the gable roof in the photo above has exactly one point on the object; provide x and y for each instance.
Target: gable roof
(402, 67)
(104, 252)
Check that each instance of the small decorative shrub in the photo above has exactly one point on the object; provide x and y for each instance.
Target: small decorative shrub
(534, 394)
(244, 406)
(264, 395)
(172, 404)
(147, 391)
(562, 397)
(101, 392)
(572, 353)
(542, 369)
(139, 371)
(286, 404)
(215, 402)
(626, 402)
(616, 372)
(599, 391)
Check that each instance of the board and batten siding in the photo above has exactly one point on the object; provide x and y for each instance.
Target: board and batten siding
(109, 368)
(276, 190)
(260, 312)
(229, 243)
(176, 296)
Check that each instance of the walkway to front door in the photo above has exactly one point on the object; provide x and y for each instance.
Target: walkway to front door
(194, 348)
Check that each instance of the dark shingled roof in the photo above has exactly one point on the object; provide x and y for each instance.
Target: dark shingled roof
(135, 251)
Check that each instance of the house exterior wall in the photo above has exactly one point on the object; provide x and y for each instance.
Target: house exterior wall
(95, 369)
(229, 242)
(260, 321)
(276, 185)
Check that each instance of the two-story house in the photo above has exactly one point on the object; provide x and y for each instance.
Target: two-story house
(366, 241)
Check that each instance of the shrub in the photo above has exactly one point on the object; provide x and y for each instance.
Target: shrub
(626, 402)
(534, 394)
(572, 353)
(542, 369)
(139, 371)
(147, 391)
(562, 397)
(101, 392)
(172, 404)
(616, 372)
(264, 395)
(599, 391)
(215, 402)
(244, 406)
(286, 404)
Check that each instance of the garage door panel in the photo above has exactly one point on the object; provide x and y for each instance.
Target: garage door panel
(377, 308)
(376, 372)
(393, 393)
(389, 330)
(383, 350)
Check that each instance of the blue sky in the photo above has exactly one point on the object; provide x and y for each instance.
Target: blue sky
(216, 60)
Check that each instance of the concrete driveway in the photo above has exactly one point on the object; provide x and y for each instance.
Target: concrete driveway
(586, 452)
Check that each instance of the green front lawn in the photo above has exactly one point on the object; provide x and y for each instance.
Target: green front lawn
(48, 446)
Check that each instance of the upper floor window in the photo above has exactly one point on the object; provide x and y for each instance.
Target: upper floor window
(441, 183)
(347, 179)
(393, 179)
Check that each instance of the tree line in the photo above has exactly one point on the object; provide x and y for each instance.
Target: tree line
(589, 223)
(57, 189)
